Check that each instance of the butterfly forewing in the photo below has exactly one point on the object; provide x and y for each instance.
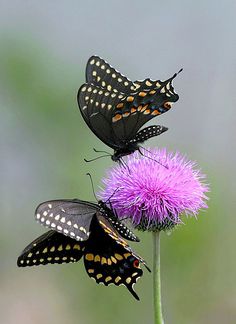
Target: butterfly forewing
(96, 106)
(93, 99)
(100, 73)
(110, 262)
(70, 217)
(49, 248)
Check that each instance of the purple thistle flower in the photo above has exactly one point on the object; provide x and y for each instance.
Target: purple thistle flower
(153, 191)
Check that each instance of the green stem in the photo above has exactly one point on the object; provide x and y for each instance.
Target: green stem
(158, 318)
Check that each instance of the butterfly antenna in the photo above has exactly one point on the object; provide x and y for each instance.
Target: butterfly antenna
(148, 157)
(114, 192)
(91, 180)
(97, 158)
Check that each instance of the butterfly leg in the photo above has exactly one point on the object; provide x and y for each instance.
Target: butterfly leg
(125, 165)
(95, 150)
(148, 157)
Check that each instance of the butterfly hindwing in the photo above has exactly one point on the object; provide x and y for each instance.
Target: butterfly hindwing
(50, 248)
(100, 73)
(146, 84)
(71, 217)
(109, 262)
(112, 232)
(133, 111)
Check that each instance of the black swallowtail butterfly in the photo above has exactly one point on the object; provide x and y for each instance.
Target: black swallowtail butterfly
(115, 108)
(80, 228)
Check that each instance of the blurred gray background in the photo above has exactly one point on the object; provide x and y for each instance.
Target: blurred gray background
(44, 47)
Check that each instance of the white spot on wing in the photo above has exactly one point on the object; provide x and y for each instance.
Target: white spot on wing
(82, 229)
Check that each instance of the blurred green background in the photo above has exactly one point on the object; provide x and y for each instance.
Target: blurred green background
(43, 52)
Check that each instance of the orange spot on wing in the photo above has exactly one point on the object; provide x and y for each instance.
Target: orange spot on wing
(155, 112)
(116, 118)
(126, 114)
(147, 111)
(133, 110)
(130, 99)
(144, 108)
(142, 94)
(152, 92)
(120, 105)
(139, 107)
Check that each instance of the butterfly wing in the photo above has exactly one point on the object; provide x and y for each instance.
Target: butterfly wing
(113, 219)
(147, 84)
(101, 74)
(96, 106)
(50, 248)
(72, 217)
(115, 108)
(113, 233)
(110, 262)
(133, 111)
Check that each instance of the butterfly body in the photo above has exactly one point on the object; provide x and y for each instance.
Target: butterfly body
(107, 257)
(115, 108)
(126, 149)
